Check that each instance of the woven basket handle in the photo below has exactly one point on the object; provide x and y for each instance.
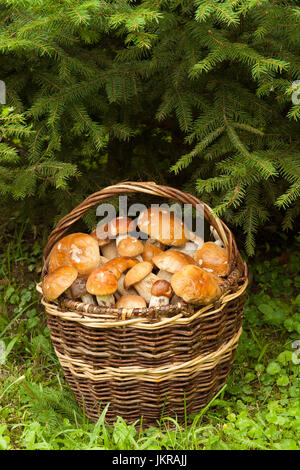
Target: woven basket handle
(144, 187)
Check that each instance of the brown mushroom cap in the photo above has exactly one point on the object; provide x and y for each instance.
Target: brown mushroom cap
(118, 265)
(130, 246)
(57, 282)
(137, 273)
(78, 288)
(150, 251)
(195, 285)
(100, 234)
(79, 250)
(119, 226)
(161, 288)
(131, 301)
(163, 226)
(101, 282)
(172, 261)
(212, 258)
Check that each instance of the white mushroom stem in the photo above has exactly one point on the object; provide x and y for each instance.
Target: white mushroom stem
(105, 300)
(157, 301)
(194, 238)
(164, 275)
(110, 250)
(121, 288)
(145, 285)
(88, 299)
(216, 236)
(188, 249)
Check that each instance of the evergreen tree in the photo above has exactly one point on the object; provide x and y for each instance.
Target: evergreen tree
(99, 91)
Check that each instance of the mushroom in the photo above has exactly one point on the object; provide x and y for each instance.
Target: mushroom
(164, 275)
(79, 250)
(102, 284)
(188, 249)
(78, 288)
(151, 241)
(216, 236)
(130, 246)
(175, 300)
(131, 301)
(103, 260)
(193, 237)
(78, 291)
(162, 225)
(194, 242)
(100, 234)
(142, 278)
(212, 258)
(58, 281)
(121, 287)
(118, 265)
(88, 299)
(119, 228)
(110, 250)
(149, 251)
(172, 260)
(160, 293)
(195, 285)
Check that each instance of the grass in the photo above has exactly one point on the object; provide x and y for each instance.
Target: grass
(259, 408)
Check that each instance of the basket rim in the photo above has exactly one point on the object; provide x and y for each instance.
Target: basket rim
(123, 317)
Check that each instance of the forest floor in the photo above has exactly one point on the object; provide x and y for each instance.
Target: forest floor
(259, 408)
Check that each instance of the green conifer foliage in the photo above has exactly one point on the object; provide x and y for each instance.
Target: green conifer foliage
(207, 88)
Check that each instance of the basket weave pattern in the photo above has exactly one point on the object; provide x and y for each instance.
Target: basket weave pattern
(147, 362)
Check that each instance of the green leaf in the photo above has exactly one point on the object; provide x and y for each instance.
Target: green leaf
(273, 368)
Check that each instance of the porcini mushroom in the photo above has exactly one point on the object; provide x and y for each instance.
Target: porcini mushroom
(131, 247)
(78, 287)
(121, 287)
(101, 235)
(78, 291)
(195, 285)
(142, 278)
(131, 301)
(110, 250)
(149, 251)
(189, 248)
(79, 250)
(102, 284)
(58, 281)
(162, 225)
(119, 228)
(172, 260)
(164, 275)
(118, 265)
(160, 293)
(212, 258)
(216, 236)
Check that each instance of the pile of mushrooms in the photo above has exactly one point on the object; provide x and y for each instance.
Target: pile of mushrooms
(111, 267)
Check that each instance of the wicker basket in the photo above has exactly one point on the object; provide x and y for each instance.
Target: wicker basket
(149, 362)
